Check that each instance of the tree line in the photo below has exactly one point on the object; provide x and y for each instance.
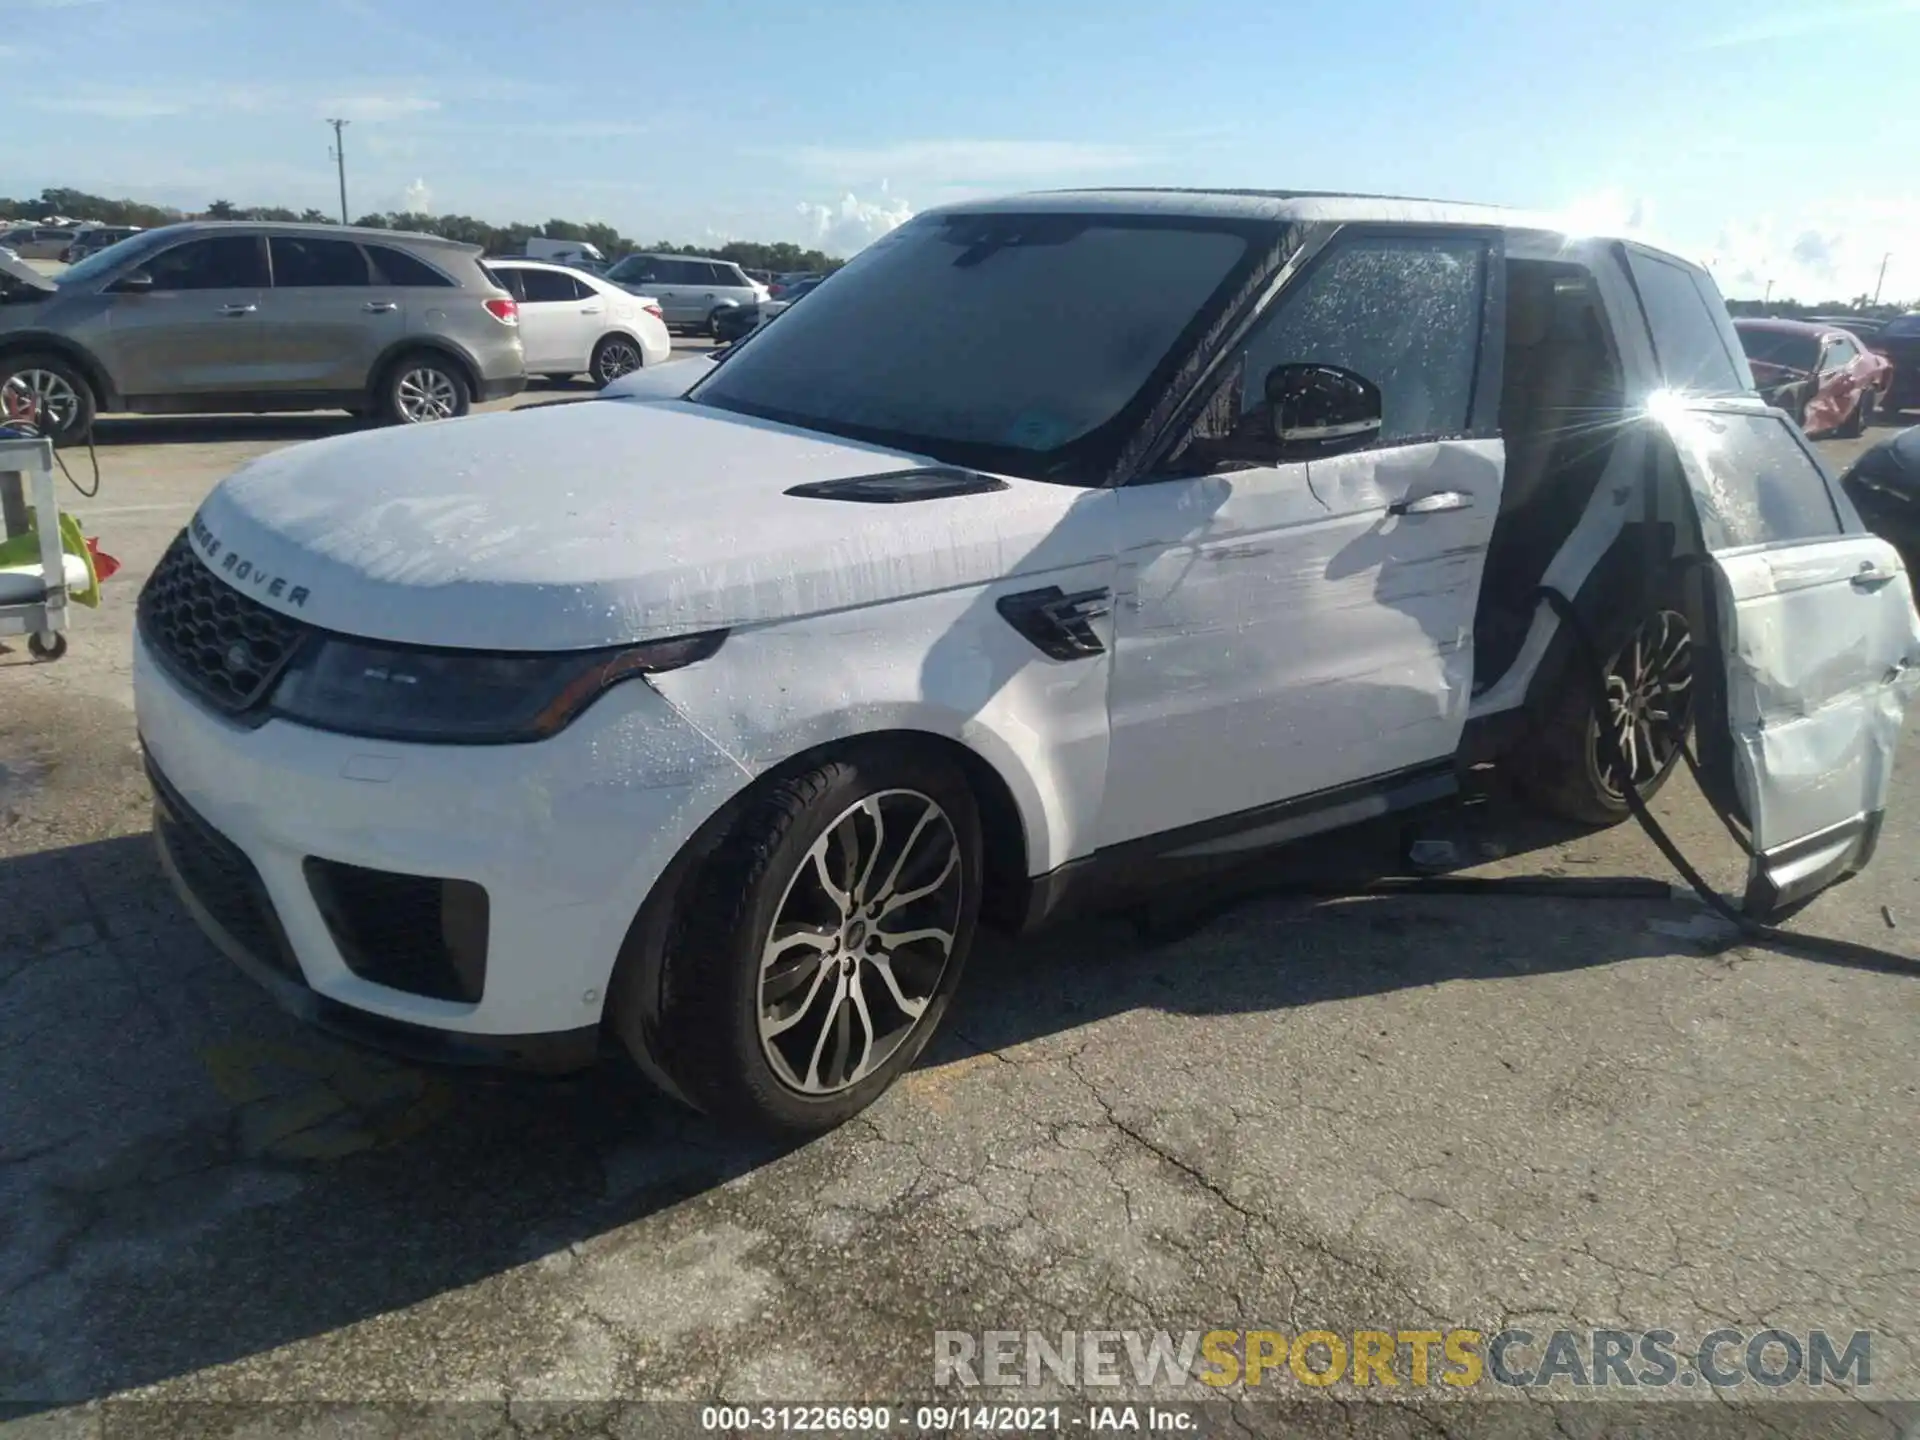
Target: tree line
(779, 257)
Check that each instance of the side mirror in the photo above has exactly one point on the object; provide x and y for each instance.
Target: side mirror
(134, 282)
(1321, 409)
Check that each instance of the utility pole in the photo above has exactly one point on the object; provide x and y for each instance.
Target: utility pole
(1768, 299)
(1883, 276)
(340, 161)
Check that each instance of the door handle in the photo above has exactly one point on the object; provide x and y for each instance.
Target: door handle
(379, 307)
(589, 309)
(1434, 504)
(1870, 578)
(238, 309)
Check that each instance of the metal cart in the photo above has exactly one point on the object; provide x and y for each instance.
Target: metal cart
(33, 599)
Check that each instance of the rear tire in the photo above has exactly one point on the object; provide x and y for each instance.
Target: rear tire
(60, 397)
(614, 356)
(795, 1036)
(1650, 688)
(424, 386)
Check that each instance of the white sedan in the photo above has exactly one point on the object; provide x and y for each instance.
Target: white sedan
(573, 322)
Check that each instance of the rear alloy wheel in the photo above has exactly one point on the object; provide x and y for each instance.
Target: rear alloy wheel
(713, 322)
(424, 388)
(1649, 702)
(1649, 688)
(821, 945)
(613, 357)
(48, 393)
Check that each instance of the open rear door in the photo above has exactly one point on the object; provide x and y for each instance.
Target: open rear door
(1819, 645)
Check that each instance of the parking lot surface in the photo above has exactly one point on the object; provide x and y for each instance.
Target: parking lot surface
(1412, 1112)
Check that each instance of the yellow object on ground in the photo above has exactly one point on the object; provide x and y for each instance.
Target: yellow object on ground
(24, 549)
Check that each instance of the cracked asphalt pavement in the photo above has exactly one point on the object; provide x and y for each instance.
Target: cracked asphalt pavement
(1416, 1111)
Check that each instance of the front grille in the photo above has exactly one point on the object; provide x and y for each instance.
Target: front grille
(221, 878)
(224, 646)
(415, 933)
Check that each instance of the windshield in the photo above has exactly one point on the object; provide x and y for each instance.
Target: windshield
(99, 262)
(631, 268)
(1780, 347)
(1021, 343)
(1904, 325)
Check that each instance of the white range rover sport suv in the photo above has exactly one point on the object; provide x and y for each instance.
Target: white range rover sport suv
(1057, 545)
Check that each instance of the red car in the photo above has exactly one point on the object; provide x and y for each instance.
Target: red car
(1824, 377)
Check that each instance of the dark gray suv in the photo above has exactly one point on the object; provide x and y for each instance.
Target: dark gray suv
(207, 317)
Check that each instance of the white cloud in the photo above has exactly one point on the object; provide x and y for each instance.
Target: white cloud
(966, 162)
(853, 223)
(1822, 251)
(1811, 17)
(377, 107)
(417, 199)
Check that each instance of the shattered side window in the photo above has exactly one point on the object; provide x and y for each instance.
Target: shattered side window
(1753, 484)
(1403, 311)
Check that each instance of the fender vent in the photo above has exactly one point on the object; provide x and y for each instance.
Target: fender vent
(899, 486)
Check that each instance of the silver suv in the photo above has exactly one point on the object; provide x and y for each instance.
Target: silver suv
(209, 316)
(694, 291)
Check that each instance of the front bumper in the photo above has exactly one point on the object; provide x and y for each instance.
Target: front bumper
(566, 838)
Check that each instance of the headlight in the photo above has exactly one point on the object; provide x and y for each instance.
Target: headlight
(395, 692)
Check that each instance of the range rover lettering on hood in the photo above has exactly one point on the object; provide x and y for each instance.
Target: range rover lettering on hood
(576, 526)
(242, 572)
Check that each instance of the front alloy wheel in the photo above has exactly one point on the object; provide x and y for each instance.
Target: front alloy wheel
(862, 935)
(816, 949)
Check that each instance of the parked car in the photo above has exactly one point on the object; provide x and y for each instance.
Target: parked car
(779, 303)
(39, 242)
(1899, 341)
(96, 237)
(716, 725)
(692, 289)
(1864, 326)
(736, 322)
(229, 316)
(541, 248)
(573, 323)
(1825, 378)
(1884, 485)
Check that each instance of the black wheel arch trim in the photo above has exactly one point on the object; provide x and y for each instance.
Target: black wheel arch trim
(384, 365)
(106, 394)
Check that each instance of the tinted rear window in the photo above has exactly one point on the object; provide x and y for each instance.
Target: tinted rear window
(1687, 339)
(299, 261)
(397, 267)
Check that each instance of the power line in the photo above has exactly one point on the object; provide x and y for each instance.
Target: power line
(340, 161)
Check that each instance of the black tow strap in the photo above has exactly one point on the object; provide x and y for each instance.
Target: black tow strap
(1159, 926)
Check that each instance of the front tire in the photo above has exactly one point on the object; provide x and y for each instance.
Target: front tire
(818, 948)
(423, 387)
(1650, 706)
(51, 393)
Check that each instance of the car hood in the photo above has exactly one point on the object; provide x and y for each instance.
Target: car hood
(579, 526)
(19, 278)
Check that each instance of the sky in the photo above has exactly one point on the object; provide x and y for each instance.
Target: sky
(1763, 137)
